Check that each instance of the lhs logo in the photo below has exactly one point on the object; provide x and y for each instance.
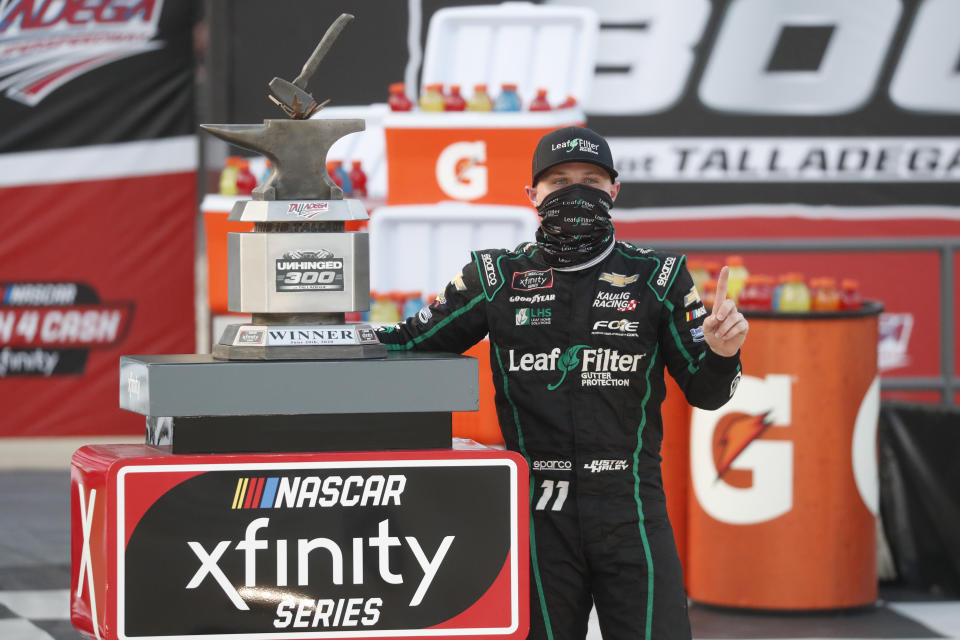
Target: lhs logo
(532, 317)
(45, 45)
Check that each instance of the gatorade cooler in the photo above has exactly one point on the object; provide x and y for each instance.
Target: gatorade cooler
(484, 157)
(783, 478)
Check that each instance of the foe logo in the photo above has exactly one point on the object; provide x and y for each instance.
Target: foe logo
(460, 170)
(738, 477)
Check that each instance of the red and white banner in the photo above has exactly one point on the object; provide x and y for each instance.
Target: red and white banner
(98, 184)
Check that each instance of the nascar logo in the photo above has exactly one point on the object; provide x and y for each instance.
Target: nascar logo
(315, 491)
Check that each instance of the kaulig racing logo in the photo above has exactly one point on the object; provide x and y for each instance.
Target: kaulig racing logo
(44, 45)
(598, 367)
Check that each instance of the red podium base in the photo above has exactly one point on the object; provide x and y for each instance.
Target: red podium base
(426, 544)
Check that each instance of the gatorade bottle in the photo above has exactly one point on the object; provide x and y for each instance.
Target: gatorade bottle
(713, 270)
(266, 170)
(508, 100)
(781, 281)
(412, 304)
(763, 296)
(698, 273)
(540, 102)
(825, 295)
(794, 296)
(334, 174)
(709, 295)
(344, 183)
(850, 295)
(453, 101)
(737, 278)
(569, 103)
(757, 294)
(228, 177)
(398, 99)
(246, 181)
(432, 98)
(480, 100)
(358, 180)
(383, 310)
(745, 299)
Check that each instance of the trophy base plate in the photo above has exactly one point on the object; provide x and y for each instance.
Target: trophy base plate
(298, 342)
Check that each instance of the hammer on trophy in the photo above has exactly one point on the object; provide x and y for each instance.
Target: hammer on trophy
(293, 97)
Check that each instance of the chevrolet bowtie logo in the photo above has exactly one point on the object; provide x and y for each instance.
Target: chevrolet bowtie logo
(618, 280)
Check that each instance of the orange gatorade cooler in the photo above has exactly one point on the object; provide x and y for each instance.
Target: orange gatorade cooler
(675, 468)
(476, 157)
(783, 479)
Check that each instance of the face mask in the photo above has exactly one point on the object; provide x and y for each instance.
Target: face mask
(575, 225)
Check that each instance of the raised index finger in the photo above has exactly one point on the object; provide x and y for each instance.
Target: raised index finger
(721, 289)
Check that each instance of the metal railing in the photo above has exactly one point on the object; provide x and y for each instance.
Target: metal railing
(946, 383)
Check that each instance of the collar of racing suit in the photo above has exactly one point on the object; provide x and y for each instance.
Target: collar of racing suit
(592, 261)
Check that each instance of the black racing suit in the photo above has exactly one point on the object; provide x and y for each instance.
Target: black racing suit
(578, 359)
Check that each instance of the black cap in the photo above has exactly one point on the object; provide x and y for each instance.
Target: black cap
(572, 144)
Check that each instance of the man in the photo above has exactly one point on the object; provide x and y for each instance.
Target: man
(581, 327)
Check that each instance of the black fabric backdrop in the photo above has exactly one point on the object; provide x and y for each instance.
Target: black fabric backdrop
(918, 447)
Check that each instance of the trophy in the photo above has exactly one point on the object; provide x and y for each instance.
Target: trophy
(298, 271)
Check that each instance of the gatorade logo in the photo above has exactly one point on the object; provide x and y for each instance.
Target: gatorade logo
(460, 171)
(742, 471)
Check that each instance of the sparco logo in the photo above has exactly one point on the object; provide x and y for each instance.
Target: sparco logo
(598, 466)
(598, 365)
(552, 465)
(529, 280)
(281, 551)
(489, 271)
(665, 271)
(44, 45)
(307, 209)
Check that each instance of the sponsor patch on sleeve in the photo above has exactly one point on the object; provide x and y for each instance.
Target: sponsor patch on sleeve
(697, 333)
(693, 314)
(692, 298)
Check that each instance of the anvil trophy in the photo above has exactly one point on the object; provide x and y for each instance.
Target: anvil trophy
(298, 271)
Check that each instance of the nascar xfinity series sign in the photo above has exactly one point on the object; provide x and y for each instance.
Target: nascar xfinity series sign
(309, 546)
